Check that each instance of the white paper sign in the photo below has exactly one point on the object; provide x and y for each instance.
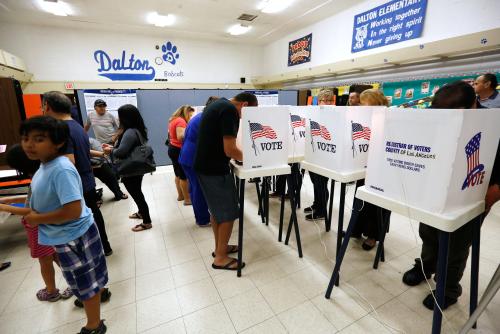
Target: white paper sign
(264, 133)
(297, 130)
(338, 138)
(114, 99)
(437, 160)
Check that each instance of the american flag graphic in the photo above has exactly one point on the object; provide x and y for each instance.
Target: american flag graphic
(472, 151)
(297, 121)
(360, 132)
(319, 130)
(258, 130)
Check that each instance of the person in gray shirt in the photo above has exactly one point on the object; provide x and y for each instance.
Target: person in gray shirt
(485, 87)
(104, 124)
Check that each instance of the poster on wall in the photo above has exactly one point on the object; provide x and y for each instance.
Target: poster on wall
(409, 93)
(392, 22)
(266, 97)
(397, 93)
(114, 98)
(299, 50)
(424, 87)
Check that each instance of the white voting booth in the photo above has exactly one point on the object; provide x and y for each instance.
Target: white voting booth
(297, 131)
(435, 160)
(338, 138)
(264, 135)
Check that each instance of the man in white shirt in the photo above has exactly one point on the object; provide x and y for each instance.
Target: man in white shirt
(103, 123)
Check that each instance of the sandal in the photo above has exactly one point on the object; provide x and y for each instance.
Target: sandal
(228, 265)
(44, 296)
(135, 215)
(141, 227)
(231, 249)
(101, 329)
(105, 297)
(67, 293)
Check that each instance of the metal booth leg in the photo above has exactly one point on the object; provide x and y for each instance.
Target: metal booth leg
(241, 198)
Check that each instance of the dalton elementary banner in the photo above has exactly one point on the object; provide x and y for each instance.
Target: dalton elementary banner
(390, 23)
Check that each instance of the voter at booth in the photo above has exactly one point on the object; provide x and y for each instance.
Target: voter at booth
(176, 130)
(216, 146)
(485, 87)
(456, 95)
(367, 219)
(186, 159)
(320, 183)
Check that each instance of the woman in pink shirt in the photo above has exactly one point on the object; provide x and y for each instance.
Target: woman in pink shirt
(176, 127)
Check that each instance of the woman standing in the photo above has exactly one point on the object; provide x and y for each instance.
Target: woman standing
(134, 134)
(367, 220)
(176, 129)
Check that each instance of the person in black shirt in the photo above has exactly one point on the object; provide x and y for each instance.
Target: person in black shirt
(216, 146)
(456, 95)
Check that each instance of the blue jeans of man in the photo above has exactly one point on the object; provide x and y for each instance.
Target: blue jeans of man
(200, 206)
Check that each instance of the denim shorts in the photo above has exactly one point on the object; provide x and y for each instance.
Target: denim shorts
(221, 197)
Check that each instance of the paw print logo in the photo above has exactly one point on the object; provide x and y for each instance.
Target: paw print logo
(170, 53)
(484, 41)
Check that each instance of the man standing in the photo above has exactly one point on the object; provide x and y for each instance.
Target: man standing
(103, 123)
(216, 146)
(354, 99)
(485, 87)
(58, 105)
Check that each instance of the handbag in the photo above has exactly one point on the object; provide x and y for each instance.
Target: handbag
(139, 162)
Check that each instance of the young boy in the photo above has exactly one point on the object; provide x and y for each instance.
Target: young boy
(64, 221)
(46, 255)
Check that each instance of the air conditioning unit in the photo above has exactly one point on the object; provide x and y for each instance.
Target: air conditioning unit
(13, 61)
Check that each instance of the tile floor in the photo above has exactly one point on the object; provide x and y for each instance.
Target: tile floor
(162, 281)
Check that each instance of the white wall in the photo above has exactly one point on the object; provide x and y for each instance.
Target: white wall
(59, 54)
(332, 37)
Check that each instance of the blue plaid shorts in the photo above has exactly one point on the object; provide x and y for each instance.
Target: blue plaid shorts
(83, 264)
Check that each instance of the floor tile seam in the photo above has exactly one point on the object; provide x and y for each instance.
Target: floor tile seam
(13, 295)
(222, 302)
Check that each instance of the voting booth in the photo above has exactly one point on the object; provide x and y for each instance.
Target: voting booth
(338, 138)
(264, 134)
(436, 160)
(297, 130)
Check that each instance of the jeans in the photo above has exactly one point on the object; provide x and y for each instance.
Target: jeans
(91, 202)
(133, 184)
(200, 206)
(106, 174)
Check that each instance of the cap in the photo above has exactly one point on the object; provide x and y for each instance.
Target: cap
(100, 102)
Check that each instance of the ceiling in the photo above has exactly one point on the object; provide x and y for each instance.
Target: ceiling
(199, 19)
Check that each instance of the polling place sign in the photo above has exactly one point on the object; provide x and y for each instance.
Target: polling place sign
(338, 138)
(390, 23)
(264, 134)
(438, 160)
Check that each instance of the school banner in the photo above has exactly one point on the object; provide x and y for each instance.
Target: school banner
(299, 50)
(438, 160)
(264, 134)
(338, 138)
(393, 22)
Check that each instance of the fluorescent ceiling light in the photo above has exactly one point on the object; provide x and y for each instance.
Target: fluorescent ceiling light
(58, 8)
(274, 6)
(161, 20)
(239, 29)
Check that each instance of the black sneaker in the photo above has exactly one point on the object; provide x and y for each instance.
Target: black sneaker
(99, 330)
(429, 301)
(414, 276)
(105, 296)
(315, 216)
(309, 209)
